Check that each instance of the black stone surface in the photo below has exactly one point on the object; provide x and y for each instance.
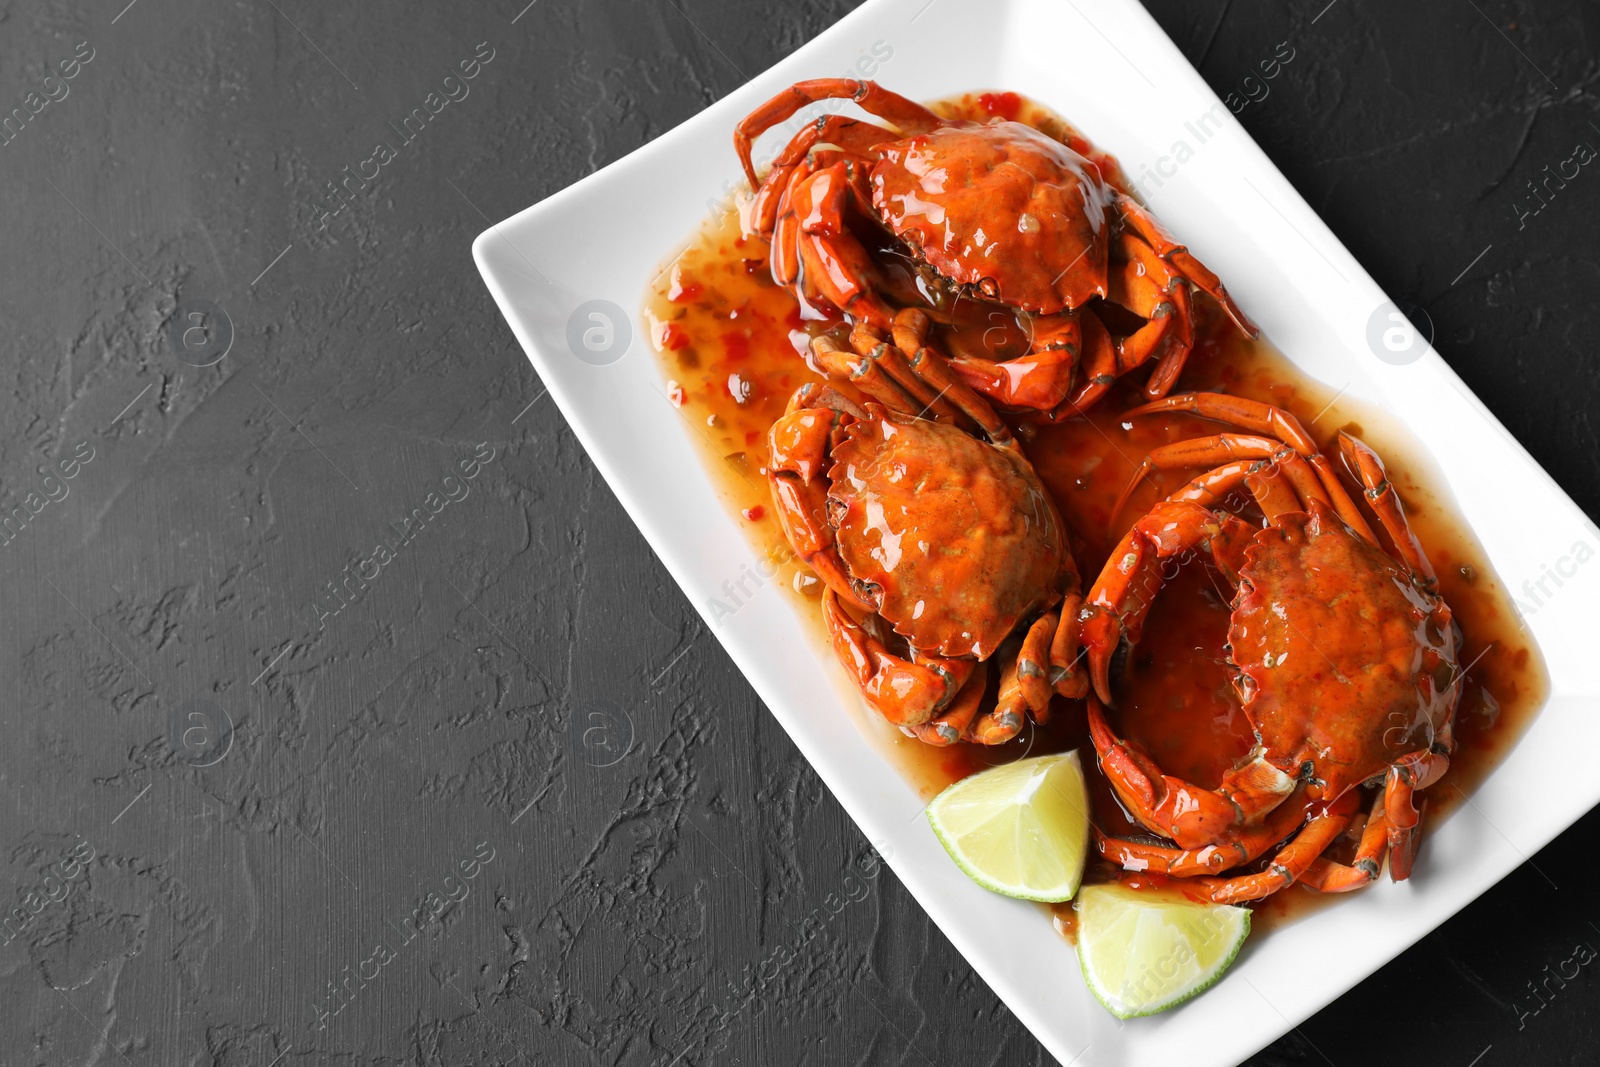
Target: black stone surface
(511, 797)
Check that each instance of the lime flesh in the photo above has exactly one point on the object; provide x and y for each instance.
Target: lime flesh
(1021, 829)
(1146, 951)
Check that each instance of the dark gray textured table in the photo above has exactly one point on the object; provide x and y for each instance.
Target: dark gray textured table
(348, 719)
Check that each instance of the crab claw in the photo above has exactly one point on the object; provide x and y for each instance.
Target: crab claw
(906, 693)
(1100, 631)
(1177, 810)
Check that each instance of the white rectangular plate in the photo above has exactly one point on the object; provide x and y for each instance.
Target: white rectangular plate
(608, 236)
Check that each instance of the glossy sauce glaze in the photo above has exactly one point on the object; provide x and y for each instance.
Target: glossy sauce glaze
(730, 343)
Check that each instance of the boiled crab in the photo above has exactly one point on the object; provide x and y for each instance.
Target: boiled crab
(1345, 658)
(999, 212)
(940, 549)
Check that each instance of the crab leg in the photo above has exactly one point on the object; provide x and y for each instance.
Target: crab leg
(1301, 475)
(927, 403)
(1023, 687)
(1198, 452)
(909, 115)
(1178, 341)
(1248, 844)
(1275, 496)
(1345, 507)
(953, 725)
(1299, 860)
(1253, 415)
(1066, 649)
(1394, 834)
(1364, 463)
(1146, 285)
(1205, 451)
(1166, 246)
(869, 375)
(798, 506)
(1267, 419)
(1217, 484)
(1033, 666)
(785, 238)
(1409, 775)
(910, 336)
(1288, 865)
(1328, 876)
(1295, 491)
(1228, 546)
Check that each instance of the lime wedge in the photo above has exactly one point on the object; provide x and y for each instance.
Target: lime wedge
(1145, 951)
(1021, 829)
